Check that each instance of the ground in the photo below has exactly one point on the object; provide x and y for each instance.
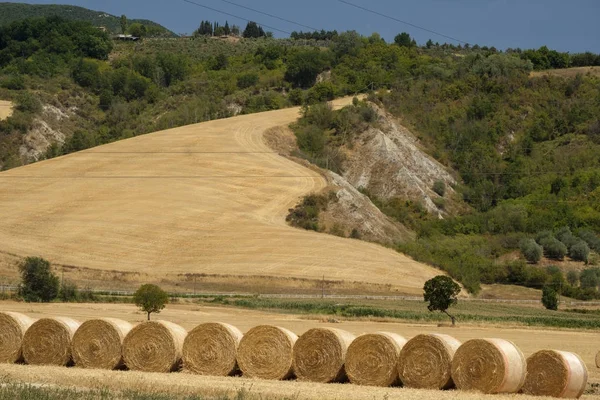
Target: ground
(204, 199)
(585, 343)
(6, 109)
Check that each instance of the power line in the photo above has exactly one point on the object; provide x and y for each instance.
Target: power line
(401, 21)
(269, 15)
(236, 16)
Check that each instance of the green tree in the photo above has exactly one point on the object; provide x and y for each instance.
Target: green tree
(550, 298)
(590, 278)
(68, 291)
(441, 293)
(304, 66)
(38, 282)
(573, 277)
(531, 251)
(404, 40)
(253, 30)
(150, 299)
(138, 30)
(553, 248)
(123, 24)
(579, 251)
(439, 187)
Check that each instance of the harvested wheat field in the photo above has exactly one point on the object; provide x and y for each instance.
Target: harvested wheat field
(6, 109)
(209, 198)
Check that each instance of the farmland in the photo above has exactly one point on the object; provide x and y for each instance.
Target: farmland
(6, 108)
(527, 339)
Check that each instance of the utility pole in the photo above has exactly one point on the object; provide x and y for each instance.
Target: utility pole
(323, 287)
(194, 284)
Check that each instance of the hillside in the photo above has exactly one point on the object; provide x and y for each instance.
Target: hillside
(11, 12)
(209, 198)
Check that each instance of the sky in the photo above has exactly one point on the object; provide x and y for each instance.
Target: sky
(559, 24)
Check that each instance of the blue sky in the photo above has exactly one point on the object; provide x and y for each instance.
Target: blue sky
(560, 24)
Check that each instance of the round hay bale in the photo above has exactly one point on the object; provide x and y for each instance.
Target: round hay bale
(372, 359)
(556, 374)
(98, 343)
(154, 346)
(320, 354)
(426, 361)
(489, 366)
(12, 329)
(266, 352)
(48, 341)
(210, 349)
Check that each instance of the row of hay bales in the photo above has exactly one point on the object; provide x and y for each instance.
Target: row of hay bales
(428, 361)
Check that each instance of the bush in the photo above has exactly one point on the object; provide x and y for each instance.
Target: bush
(579, 251)
(296, 97)
(550, 298)
(553, 248)
(439, 187)
(247, 80)
(311, 139)
(38, 283)
(531, 251)
(590, 278)
(28, 102)
(590, 238)
(573, 277)
(543, 235)
(13, 82)
(68, 292)
(306, 214)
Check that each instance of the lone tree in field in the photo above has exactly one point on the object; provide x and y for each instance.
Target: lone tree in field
(549, 298)
(441, 293)
(150, 299)
(38, 282)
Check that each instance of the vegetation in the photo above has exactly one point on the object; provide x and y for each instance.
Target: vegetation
(12, 12)
(150, 299)
(38, 282)
(550, 298)
(531, 250)
(441, 293)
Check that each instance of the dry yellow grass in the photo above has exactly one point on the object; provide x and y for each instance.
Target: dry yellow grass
(208, 198)
(567, 72)
(6, 109)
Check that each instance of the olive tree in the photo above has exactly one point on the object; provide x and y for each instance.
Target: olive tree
(441, 293)
(150, 299)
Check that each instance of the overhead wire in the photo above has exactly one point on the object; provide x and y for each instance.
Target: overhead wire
(269, 15)
(236, 16)
(401, 21)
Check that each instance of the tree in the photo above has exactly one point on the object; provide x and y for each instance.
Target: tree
(579, 251)
(253, 30)
(550, 298)
(123, 24)
(304, 66)
(531, 250)
(573, 277)
(404, 40)
(38, 282)
(150, 299)
(553, 248)
(441, 293)
(138, 30)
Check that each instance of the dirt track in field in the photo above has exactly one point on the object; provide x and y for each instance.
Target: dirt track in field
(208, 198)
(6, 109)
(529, 340)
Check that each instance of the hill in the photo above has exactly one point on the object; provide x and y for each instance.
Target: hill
(11, 12)
(209, 198)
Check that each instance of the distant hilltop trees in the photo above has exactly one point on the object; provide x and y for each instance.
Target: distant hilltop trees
(252, 30)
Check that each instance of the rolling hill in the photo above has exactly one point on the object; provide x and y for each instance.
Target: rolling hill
(209, 198)
(11, 12)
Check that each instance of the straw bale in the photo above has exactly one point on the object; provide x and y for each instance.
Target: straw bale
(372, 359)
(154, 346)
(98, 343)
(210, 349)
(426, 361)
(556, 374)
(266, 352)
(48, 341)
(12, 329)
(489, 366)
(320, 354)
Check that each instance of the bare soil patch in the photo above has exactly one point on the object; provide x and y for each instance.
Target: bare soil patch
(6, 109)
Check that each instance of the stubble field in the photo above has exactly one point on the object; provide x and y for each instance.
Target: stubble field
(6, 109)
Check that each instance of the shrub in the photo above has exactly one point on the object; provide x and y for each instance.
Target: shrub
(590, 238)
(590, 278)
(579, 251)
(27, 102)
(531, 250)
(296, 97)
(68, 292)
(439, 187)
(543, 235)
(306, 214)
(553, 248)
(311, 139)
(573, 277)
(38, 283)
(13, 82)
(550, 298)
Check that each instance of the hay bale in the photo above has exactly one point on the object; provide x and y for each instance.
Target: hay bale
(372, 359)
(154, 346)
(12, 329)
(210, 349)
(426, 361)
(266, 352)
(556, 374)
(48, 341)
(489, 366)
(98, 343)
(320, 354)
